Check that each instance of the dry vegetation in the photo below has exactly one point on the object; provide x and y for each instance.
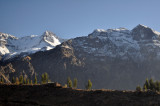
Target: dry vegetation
(56, 95)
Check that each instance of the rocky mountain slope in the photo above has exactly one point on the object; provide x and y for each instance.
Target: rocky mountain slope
(11, 46)
(112, 59)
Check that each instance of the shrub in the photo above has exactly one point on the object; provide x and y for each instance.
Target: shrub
(89, 85)
(75, 83)
(138, 88)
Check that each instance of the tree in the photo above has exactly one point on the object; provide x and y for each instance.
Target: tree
(145, 88)
(21, 79)
(147, 84)
(75, 83)
(152, 85)
(35, 79)
(2, 80)
(17, 80)
(28, 82)
(138, 88)
(89, 85)
(31, 82)
(65, 85)
(157, 86)
(68, 79)
(69, 82)
(25, 81)
(13, 80)
(44, 78)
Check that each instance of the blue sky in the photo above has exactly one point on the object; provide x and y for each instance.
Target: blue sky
(72, 18)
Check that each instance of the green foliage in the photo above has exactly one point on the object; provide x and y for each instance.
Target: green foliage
(25, 81)
(2, 80)
(44, 78)
(31, 82)
(65, 85)
(151, 85)
(157, 86)
(17, 80)
(147, 84)
(68, 79)
(13, 80)
(138, 88)
(28, 82)
(75, 83)
(89, 85)
(69, 82)
(21, 79)
(145, 88)
(35, 79)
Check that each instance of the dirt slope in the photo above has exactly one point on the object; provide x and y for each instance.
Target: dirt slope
(50, 95)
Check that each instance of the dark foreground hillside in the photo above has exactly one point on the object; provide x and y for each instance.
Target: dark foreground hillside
(46, 95)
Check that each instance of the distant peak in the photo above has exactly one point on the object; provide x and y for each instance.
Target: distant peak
(6, 36)
(48, 33)
(99, 30)
(142, 32)
(141, 26)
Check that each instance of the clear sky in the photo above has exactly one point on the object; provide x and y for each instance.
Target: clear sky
(72, 18)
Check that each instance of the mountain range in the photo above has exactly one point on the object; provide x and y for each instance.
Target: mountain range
(112, 58)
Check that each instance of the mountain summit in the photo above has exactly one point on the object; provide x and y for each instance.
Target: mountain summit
(141, 32)
(11, 46)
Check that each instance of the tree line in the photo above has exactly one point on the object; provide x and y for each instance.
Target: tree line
(69, 83)
(149, 85)
(44, 79)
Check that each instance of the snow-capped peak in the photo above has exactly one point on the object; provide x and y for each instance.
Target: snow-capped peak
(99, 30)
(51, 38)
(142, 32)
(141, 25)
(104, 33)
(6, 36)
(11, 46)
(110, 30)
(121, 42)
(48, 33)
